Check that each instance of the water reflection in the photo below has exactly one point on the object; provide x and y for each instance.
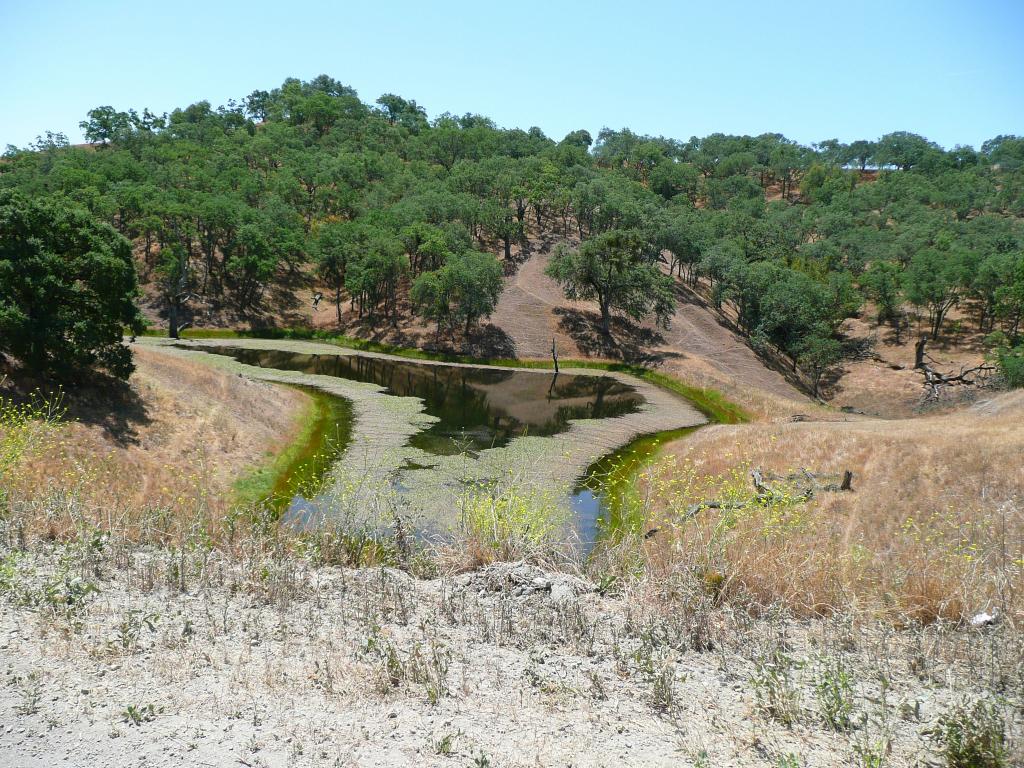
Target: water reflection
(477, 407)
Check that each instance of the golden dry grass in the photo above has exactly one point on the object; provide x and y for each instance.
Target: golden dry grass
(934, 527)
(193, 432)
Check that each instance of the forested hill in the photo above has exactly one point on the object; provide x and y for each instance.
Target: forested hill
(381, 204)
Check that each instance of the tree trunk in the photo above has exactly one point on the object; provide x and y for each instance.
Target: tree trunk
(172, 322)
(606, 319)
(919, 352)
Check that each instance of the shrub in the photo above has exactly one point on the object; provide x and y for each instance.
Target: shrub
(973, 736)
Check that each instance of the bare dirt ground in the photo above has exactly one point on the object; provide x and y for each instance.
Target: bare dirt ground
(698, 347)
(884, 383)
(271, 663)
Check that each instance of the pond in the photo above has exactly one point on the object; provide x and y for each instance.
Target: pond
(606, 498)
(476, 408)
(472, 414)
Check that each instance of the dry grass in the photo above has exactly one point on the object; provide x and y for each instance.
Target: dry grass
(221, 629)
(186, 434)
(934, 528)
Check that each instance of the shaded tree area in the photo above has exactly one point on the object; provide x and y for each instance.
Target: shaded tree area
(386, 208)
(67, 288)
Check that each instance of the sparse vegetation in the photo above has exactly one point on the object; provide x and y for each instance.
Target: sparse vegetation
(834, 692)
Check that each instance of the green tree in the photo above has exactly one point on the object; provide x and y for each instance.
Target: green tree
(430, 298)
(882, 283)
(618, 270)
(903, 150)
(464, 290)
(335, 244)
(475, 284)
(1009, 299)
(933, 280)
(67, 288)
(373, 271)
(817, 354)
(404, 112)
(861, 153)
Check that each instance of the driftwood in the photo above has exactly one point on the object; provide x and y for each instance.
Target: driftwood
(765, 493)
(935, 381)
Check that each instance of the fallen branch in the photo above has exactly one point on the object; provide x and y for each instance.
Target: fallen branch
(935, 381)
(766, 494)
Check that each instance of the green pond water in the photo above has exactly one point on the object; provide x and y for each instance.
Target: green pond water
(477, 408)
(300, 480)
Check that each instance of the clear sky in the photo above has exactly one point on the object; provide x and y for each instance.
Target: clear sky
(953, 72)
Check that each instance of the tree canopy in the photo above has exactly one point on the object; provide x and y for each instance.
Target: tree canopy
(373, 201)
(619, 270)
(67, 288)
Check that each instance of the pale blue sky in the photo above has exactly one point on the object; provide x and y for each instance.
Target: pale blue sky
(953, 72)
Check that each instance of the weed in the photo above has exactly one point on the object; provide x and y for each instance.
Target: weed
(428, 666)
(131, 626)
(663, 691)
(65, 596)
(597, 691)
(505, 521)
(137, 714)
(972, 736)
(834, 692)
(871, 754)
(31, 690)
(445, 745)
(775, 693)
(391, 671)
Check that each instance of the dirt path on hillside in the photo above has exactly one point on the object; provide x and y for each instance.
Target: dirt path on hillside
(532, 310)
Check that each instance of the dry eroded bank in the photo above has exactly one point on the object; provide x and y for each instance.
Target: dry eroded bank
(179, 432)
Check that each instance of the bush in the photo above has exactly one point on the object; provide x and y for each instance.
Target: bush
(505, 521)
(973, 736)
(1010, 363)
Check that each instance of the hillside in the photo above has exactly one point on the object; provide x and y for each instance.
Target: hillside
(418, 231)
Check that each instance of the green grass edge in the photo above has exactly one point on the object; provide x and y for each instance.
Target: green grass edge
(260, 482)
